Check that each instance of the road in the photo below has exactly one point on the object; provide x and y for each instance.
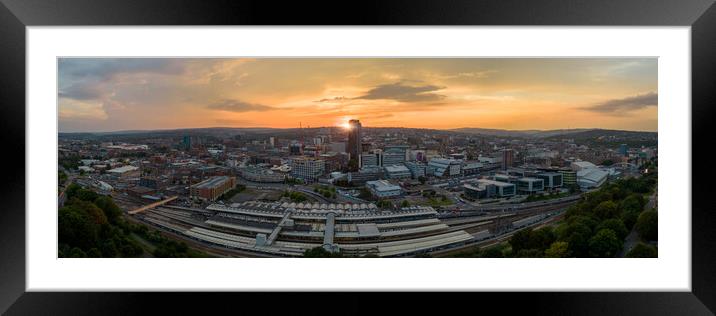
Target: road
(633, 239)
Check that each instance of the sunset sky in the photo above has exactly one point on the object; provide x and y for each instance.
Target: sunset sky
(102, 94)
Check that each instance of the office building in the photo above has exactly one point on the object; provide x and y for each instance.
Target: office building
(394, 154)
(338, 147)
(374, 159)
(471, 168)
(442, 167)
(369, 173)
(485, 188)
(569, 177)
(552, 180)
(307, 169)
(529, 185)
(417, 169)
(397, 172)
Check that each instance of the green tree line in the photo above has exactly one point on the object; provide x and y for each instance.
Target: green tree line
(91, 225)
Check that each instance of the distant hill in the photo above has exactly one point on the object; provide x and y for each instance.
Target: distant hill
(519, 133)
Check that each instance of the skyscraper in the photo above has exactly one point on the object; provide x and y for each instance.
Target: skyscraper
(623, 150)
(186, 141)
(507, 158)
(354, 138)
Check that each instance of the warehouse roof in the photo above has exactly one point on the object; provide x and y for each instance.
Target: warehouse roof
(212, 182)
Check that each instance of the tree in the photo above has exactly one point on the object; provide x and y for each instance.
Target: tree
(94, 253)
(110, 209)
(405, 203)
(642, 250)
(633, 202)
(647, 225)
(578, 243)
(528, 253)
(520, 240)
(76, 228)
(616, 225)
(558, 249)
(77, 253)
(422, 179)
(606, 210)
(604, 244)
(492, 252)
(320, 252)
(629, 218)
(542, 238)
(364, 193)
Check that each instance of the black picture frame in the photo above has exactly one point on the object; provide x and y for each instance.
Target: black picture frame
(16, 15)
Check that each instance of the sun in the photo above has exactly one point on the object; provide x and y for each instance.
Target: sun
(346, 125)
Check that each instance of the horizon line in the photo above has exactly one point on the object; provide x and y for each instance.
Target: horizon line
(337, 126)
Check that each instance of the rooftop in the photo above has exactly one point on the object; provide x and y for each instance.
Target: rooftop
(382, 185)
(494, 182)
(123, 169)
(396, 168)
(211, 182)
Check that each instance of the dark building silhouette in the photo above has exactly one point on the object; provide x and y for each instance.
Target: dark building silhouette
(355, 135)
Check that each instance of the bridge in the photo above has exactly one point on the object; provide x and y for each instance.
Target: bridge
(277, 229)
(153, 205)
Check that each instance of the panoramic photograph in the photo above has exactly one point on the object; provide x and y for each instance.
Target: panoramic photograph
(357, 157)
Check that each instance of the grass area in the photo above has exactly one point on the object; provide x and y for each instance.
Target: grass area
(545, 197)
(439, 202)
(229, 194)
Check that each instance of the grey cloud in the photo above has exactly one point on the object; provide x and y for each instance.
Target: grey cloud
(238, 106)
(403, 93)
(105, 68)
(336, 99)
(81, 92)
(626, 104)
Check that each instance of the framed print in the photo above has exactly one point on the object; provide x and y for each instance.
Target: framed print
(417, 147)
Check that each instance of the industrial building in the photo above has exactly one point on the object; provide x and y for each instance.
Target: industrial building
(591, 178)
(289, 229)
(384, 189)
(124, 172)
(256, 174)
(212, 188)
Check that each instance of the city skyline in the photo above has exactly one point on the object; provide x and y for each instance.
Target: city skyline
(102, 95)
